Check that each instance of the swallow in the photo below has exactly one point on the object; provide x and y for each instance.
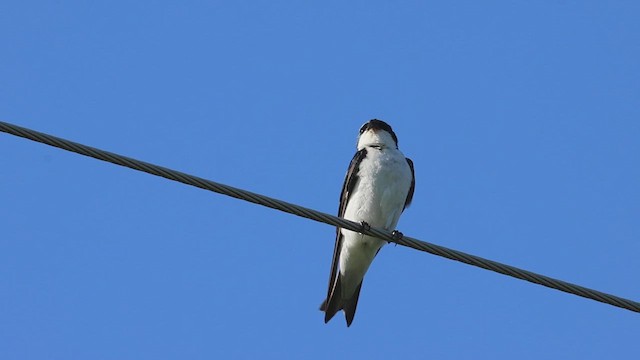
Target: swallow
(379, 185)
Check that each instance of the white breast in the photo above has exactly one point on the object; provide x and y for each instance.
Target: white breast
(377, 198)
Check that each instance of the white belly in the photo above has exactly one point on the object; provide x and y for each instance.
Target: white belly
(377, 198)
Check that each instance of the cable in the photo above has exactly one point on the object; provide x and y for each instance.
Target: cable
(319, 216)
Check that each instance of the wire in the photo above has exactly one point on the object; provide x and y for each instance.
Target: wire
(319, 216)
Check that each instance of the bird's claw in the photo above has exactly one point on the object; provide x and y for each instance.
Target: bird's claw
(397, 236)
(364, 226)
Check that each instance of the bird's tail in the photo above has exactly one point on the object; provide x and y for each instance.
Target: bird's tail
(335, 303)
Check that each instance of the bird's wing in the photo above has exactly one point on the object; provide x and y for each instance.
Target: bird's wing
(333, 303)
(413, 185)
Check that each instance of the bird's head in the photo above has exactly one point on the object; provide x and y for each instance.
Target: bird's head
(377, 133)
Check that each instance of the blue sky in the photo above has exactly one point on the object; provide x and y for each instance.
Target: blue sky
(522, 119)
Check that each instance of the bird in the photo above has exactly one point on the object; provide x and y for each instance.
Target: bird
(379, 185)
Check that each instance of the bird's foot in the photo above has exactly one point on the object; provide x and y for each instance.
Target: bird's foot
(397, 236)
(364, 226)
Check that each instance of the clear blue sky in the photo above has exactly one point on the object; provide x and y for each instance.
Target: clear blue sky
(522, 118)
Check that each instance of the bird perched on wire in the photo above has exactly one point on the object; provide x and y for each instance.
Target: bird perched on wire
(378, 187)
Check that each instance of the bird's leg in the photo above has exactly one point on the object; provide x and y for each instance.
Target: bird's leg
(364, 226)
(397, 235)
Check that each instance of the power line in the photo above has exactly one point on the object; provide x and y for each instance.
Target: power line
(318, 216)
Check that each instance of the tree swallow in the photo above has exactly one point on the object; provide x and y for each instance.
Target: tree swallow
(379, 185)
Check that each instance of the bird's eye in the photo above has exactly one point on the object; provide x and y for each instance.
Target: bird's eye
(363, 128)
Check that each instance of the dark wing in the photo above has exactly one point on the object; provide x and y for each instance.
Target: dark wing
(333, 303)
(350, 180)
(413, 185)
